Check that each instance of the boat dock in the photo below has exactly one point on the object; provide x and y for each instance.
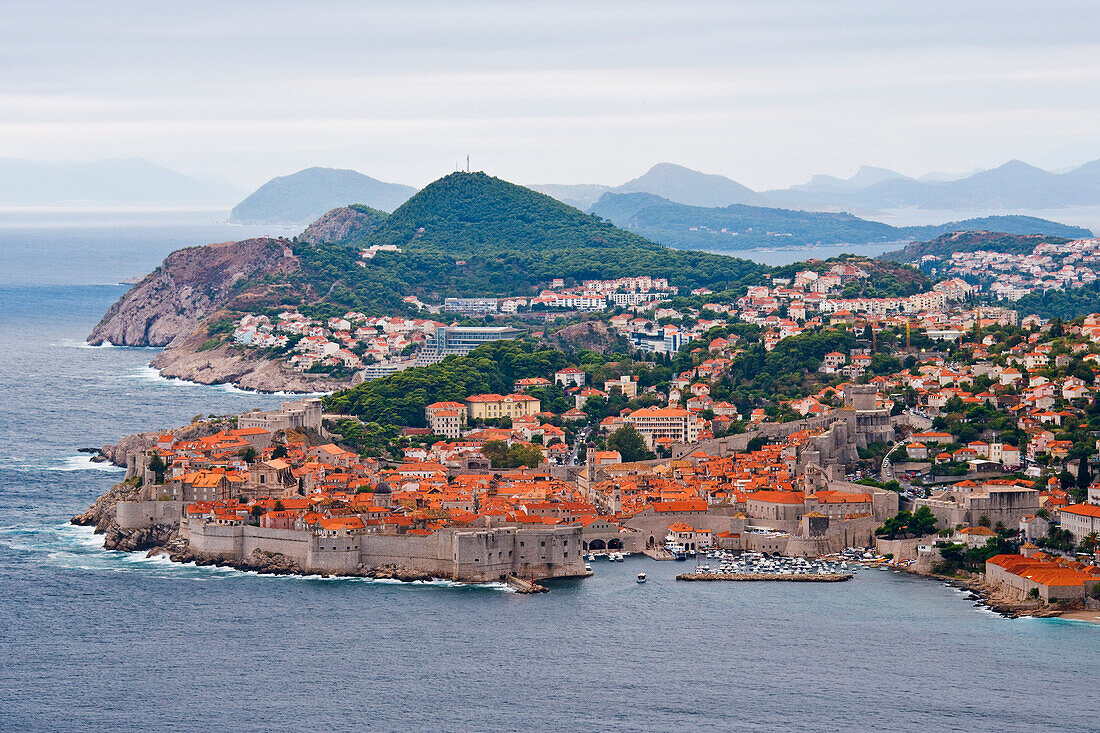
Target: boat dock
(787, 577)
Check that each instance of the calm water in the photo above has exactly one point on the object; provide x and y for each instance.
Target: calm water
(91, 640)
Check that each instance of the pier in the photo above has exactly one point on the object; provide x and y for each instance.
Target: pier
(787, 577)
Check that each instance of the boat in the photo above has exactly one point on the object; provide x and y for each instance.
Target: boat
(587, 568)
(619, 557)
(641, 577)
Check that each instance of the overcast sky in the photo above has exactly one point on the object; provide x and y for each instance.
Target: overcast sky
(766, 92)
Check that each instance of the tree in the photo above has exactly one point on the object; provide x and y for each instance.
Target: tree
(248, 455)
(756, 443)
(157, 466)
(1084, 478)
(923, 522)
(629, 443)
(894, 526)
(908, 524)
(501, 455)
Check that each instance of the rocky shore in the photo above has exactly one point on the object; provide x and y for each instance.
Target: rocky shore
(996, 600)
(228, 365)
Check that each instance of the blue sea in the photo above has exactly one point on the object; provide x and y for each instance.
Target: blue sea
(104, 641)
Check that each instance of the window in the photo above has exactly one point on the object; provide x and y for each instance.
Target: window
(542, 544)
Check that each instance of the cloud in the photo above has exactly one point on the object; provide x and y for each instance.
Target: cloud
(765, 92)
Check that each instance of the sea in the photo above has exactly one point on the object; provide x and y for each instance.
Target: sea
(92, 640)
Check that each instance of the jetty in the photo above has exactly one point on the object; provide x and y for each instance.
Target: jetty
(785, 577)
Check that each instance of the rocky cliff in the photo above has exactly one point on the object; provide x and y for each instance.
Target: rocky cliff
(189, 286)
(233, 365)
(338, 224)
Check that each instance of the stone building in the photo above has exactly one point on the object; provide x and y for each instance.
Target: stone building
(304, 413)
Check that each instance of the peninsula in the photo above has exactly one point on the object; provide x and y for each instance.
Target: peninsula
(362, 293)
(960, 453)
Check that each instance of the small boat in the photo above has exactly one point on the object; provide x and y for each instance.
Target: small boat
(641, 577)
(587, 568)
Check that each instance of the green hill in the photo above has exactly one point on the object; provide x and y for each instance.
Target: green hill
(741, 227)
(469, 234)
(736, 227)
(947, 244)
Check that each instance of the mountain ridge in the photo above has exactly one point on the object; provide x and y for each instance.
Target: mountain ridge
(304, 196)
(739, 227)
(113, 181)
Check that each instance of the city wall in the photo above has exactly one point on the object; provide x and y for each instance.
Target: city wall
(140, 514)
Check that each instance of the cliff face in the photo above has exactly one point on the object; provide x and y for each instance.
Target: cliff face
(336, 225)
(189, 286)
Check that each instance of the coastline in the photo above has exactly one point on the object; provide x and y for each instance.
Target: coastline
(1000, 602)
(221, 365)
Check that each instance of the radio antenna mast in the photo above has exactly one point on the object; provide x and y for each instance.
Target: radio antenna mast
(467, 163)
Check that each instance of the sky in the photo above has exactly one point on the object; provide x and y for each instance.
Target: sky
(767, 93)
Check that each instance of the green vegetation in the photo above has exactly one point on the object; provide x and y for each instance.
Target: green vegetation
(736, 227)
(469, 234)
(958, 557)
(908, 524)
(630, 444)
(740, 227)
(788, 370)
(885, 279)
(1064, 304)
(971, 241)
(399, 399)
(501, 455)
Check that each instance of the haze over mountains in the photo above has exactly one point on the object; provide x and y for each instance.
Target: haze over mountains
(1012, 186)
(303, 196)
(667, 180)
(740, 227)
(123, 182)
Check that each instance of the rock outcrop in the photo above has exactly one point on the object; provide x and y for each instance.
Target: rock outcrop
(336, 225)
(240, 367)
(189, 286)
(135, 540)
(591, 335)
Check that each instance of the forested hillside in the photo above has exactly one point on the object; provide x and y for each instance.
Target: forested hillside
(470, 234)
(945, 245)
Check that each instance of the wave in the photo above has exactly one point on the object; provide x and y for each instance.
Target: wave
(85, 463)
(233, 389)
(65, 464)
(75, 344)
(153, 375)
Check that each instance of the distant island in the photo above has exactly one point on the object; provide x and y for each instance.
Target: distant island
(740, 227)
(115, 182)
(303, 196)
